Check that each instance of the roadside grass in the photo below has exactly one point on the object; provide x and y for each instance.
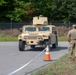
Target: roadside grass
(62, 38)
(8, 39)
(9, 35)
(4, 38)
(61, 67)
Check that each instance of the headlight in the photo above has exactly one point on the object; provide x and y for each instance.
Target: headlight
(39, 37)
(45, 35)
(25, 37)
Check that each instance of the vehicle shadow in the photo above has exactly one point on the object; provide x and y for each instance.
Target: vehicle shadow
(35, 49)
(58, 48)
(51, 49)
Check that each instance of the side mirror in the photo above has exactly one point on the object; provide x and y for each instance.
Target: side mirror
(20, 29)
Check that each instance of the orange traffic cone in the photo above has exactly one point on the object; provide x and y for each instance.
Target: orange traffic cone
(47, 54)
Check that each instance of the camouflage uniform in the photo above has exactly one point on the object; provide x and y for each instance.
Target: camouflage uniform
(72, 42)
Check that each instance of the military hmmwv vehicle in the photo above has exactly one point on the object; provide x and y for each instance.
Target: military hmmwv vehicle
(40, 33)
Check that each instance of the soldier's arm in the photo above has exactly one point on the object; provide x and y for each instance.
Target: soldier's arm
(69, 36)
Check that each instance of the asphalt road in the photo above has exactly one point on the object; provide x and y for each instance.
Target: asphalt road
(11, 59)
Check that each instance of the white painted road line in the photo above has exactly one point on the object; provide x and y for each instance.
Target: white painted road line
(26, 64)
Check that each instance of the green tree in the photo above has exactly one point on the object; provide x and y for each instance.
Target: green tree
(12, 10)
(24, 10)
(2, 2)
(17, 12)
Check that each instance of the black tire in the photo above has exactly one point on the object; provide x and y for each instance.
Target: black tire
(46, 43)
(21, 46)
(55, 44)
(32, 46)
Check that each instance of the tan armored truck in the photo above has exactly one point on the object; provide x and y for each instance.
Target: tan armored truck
(40, 33)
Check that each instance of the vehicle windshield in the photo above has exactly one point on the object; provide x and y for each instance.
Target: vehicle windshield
(29, 29)
(43, 29)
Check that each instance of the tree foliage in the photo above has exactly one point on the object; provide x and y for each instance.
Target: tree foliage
(24, 10)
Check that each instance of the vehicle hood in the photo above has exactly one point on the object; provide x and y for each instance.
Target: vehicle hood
(30, 34)
(44, 33)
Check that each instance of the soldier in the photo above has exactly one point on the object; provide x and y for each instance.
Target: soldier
(72, 42)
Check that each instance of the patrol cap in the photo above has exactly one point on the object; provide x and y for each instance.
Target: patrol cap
(74, 25)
